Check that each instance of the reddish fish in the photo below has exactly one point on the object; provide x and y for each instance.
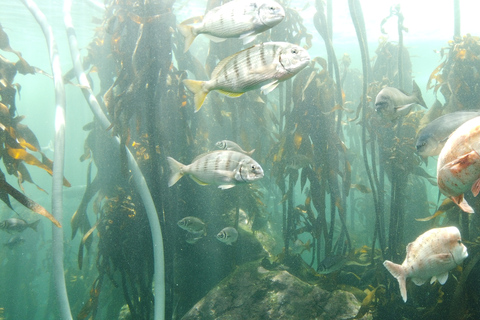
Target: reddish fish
(431, 255)
(458, 166)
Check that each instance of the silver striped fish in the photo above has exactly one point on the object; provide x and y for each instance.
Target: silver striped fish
(224, 168)
(262, 66)
(235, 19)
(230, 145)
(228, 235)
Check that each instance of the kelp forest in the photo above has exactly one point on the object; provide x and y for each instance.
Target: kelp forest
(344, 188)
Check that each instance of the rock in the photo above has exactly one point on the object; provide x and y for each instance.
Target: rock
(253, 292)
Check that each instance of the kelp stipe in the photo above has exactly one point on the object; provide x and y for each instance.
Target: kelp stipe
(138, 178)
(59, 155)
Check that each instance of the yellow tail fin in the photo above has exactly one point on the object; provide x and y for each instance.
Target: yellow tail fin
(197, 88)
(187, 32)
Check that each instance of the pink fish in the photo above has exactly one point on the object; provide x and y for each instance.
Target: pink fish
(431, 255)
(458, 166)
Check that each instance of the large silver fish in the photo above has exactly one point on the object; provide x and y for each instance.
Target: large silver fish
(432, 138)
(236, 19)
(230, 145)
(262, 66)
(224, 168)
(431, 255)
(392, 103)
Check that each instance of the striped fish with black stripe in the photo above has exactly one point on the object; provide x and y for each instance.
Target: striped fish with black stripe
(224, 168)
(262, 66)
(235, 19)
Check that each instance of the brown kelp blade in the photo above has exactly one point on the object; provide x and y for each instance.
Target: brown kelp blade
(82, 244)
(27, 202)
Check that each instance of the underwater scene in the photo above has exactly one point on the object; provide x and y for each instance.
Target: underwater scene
(239, 159)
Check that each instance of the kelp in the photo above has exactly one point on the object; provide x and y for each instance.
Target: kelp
(16, 139)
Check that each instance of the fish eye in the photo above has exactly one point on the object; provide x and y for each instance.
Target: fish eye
(294, 51)
(459, 241)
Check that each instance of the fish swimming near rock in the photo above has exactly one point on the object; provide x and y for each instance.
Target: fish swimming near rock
(433, 136)
(392, 103)
(14, 242)
(262, 66)
(230, 145)
(224, 168)
(193, 225)
(331, 264)
(228, 235)
(432, 255)
(13, 225)
(242, 19)
(458, 165)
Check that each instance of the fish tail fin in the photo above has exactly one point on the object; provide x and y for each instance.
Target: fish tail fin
(418, 94)
(249, 153)
(34, 225)
(397, 271)
(198, 90)
(176, 168)
(189, 35)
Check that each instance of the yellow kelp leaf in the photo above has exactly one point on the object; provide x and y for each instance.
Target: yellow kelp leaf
(297, 140)
(27, 202)
(21, 154)
(26, 145)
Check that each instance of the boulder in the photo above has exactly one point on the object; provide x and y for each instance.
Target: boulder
(253, 292)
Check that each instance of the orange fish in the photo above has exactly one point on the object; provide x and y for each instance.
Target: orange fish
(458, 166)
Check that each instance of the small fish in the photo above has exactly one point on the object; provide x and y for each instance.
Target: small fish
(432, 138)
(331, 264)
(228, 235)
(431, 255)
(193, 225)
(458, 165)
(13, 225)
(262, 66)
(236, 19)
(392, 103)
(299, 161)
(224, 168)
(14, 242)
(230, 145)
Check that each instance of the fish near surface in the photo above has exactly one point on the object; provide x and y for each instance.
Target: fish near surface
(242, 19)
(228, 235)
(262, 66)
(224, 168)
(458, 166)
(13, 225)
(433, 136)
(230, 145)
(431, 256)
(392, 103)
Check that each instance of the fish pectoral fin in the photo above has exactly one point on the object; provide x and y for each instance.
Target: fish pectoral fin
(231, 94)
(269, 87)
(418, 281)
(226, 186)
(248, 37)
(462, 203)
(476, 188)
(200, 182)
(442, 278)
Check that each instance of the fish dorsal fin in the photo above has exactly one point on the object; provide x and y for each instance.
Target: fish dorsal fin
(442, 278)
(231, 94)
(418, 281)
